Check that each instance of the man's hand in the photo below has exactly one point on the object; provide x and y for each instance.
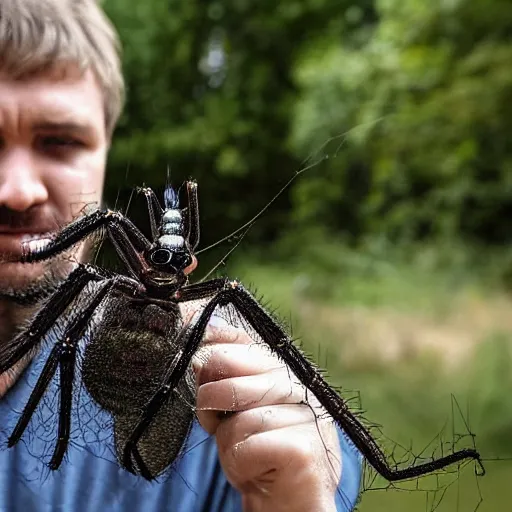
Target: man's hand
(278, 448)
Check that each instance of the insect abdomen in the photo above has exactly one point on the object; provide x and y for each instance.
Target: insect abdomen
(124, 365)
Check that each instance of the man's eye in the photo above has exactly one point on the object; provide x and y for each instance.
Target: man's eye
(55, 142)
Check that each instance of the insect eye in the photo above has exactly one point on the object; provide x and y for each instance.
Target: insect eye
(181, 260)
(161, 256)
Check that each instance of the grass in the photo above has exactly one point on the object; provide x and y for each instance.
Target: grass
(426, 348)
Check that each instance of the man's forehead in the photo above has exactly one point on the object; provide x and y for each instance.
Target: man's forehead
(45, 100)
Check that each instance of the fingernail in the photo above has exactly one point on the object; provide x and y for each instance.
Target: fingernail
(199, 359)
(217, 321)
(196, 365)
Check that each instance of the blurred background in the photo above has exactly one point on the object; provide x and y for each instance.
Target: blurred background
(390, 255)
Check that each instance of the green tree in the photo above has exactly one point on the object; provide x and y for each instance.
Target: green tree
(427, 94)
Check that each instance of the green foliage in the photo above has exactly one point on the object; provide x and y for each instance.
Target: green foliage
(490, 381)
(428, 92)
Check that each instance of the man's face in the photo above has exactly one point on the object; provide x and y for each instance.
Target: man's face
(53, 149)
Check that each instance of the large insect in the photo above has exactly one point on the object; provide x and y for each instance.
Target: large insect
(138, 371)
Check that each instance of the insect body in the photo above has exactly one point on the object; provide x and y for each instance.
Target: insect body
(126, 361)
(137, 364)
(123, 367)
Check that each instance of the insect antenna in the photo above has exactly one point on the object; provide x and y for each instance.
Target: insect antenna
(171, 200)
(313, 160)
(250, 222)
(132, 193)
(171, 196)
(168, 177)
(226, 256)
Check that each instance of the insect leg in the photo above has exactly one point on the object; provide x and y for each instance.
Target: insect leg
(281, 344)
(199, 291)
(151, 409)
(12, 351)
(83, 227)
(154, 209)
(63, 354)
(126, 250)
(192, 229)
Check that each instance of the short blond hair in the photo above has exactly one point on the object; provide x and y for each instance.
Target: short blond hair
(37, 35)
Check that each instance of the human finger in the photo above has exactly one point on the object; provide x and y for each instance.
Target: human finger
(243, 393)
(220, 331)
(223, 360)
(295, 455)
(242, 425)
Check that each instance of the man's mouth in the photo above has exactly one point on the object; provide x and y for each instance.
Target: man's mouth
(17, 242)
(35, 241)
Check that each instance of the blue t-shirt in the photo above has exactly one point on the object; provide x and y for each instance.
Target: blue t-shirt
(90, 478)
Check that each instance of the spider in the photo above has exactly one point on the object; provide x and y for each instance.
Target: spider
(137, 363)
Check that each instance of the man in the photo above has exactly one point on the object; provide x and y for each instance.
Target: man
(61, 93)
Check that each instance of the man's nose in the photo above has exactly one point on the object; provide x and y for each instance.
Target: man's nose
(21, 184)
